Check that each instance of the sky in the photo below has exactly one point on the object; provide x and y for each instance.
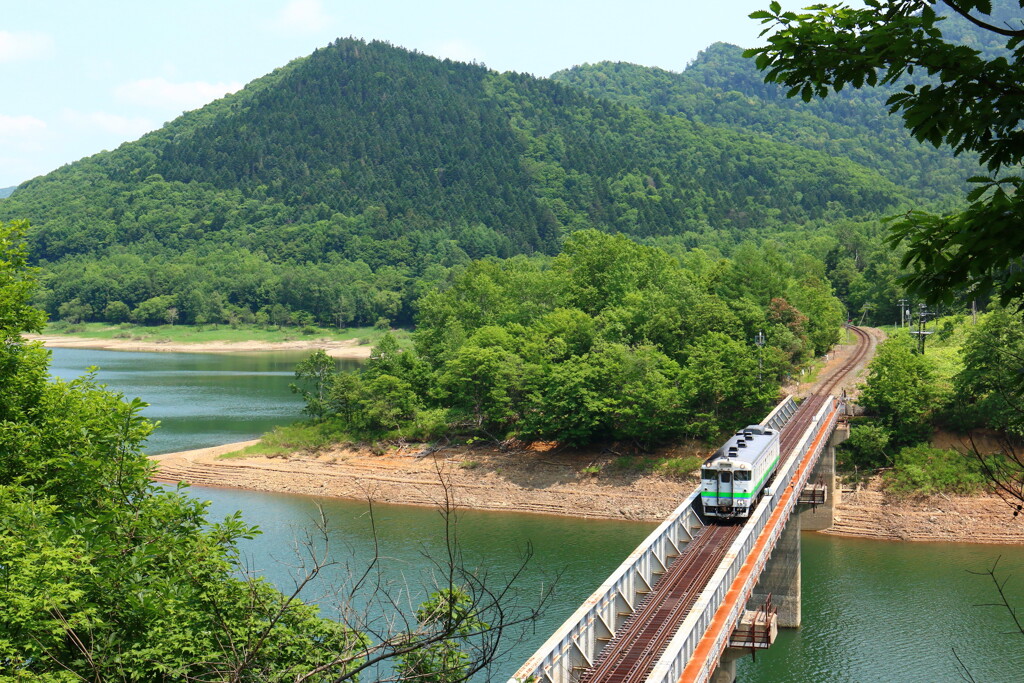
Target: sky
(79, 77)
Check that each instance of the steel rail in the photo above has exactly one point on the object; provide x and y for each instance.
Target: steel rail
(629, 656)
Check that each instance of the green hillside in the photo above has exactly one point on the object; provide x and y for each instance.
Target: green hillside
(340, 186)
(722, 89)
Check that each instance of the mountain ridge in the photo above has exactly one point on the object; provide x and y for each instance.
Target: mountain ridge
(357, 172)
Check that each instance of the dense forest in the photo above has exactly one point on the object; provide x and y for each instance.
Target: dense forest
(342, 186)
(721, 88)
(610, 340)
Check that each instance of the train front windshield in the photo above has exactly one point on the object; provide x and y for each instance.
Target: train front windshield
(725, 477)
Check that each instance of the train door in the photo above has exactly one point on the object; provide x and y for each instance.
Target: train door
(725, 489)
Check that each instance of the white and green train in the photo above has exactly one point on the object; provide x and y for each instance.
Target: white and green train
(733, 479)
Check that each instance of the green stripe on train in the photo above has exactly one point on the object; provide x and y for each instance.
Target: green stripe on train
(757, 487)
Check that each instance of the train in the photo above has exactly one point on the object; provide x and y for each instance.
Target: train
(733, 480)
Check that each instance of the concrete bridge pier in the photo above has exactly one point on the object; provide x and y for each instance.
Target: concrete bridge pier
(781, 577)
(726, 671)
(821, 516)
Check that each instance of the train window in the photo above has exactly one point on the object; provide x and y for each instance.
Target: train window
(743, 476)
(708, 474)
(725, 477)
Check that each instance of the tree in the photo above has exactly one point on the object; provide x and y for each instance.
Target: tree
(153, 311)
(117, 312)
(104, 575)
(990, 395)
(868, 446)
(318, 370)
(74, 311)
(900, 390)
(388, 402)
(971, 99)
(721, 376)
(990, 387)
(483, 378)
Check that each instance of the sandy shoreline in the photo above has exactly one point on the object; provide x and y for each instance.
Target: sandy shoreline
(538, 480)
(563, 482)
(337, 349)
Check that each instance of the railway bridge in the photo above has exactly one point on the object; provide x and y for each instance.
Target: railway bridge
(695, 596)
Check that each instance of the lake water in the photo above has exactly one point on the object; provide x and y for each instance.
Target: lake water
(872, 611)
(577, 555)
(200, 399)
(886, 611)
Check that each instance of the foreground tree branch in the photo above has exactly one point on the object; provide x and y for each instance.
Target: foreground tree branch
(969, 99)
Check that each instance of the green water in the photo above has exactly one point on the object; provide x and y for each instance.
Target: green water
(881, 611)
(872, 611)
(200, 399)
(576, 555)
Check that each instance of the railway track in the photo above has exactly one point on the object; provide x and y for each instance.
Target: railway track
(843, 372)
(635, 647)
(802, 418)
(631, 653)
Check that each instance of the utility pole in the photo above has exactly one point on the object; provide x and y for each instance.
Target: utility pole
(903, 304)
(922, 315)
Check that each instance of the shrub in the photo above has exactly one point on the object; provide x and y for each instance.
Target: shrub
(427, 425)
(924, 470)
(867, 447)
(307, 436)
(681, 467)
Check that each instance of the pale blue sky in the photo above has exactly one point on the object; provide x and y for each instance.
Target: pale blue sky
(78, 77)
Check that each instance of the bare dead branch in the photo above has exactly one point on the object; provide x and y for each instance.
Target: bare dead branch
(1004, 602)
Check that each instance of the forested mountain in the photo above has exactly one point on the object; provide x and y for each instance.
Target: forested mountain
(6, 192)
(722, 89)
(340, 186)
